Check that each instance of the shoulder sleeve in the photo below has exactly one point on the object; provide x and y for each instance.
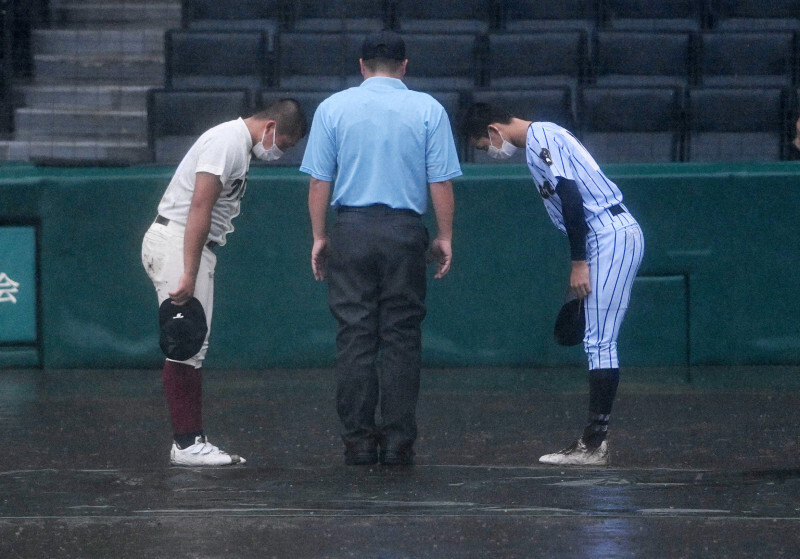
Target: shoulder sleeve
(552, 151)
(319, 159)
(441, 157)
(220, 156)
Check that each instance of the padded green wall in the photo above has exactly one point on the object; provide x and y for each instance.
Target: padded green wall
(717, 286)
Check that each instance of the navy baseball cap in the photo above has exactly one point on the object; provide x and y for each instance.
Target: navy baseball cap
(183, 328)
(570, 325)
(383, 44)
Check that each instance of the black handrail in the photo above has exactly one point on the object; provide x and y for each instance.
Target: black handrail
(7, 70)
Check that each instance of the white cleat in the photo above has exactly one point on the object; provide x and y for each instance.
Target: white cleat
(578, 454)
(202, 453)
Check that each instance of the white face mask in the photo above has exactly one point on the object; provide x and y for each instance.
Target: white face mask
(271, 154)
(503, 152)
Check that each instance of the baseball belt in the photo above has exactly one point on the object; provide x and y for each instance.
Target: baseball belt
(161, 220)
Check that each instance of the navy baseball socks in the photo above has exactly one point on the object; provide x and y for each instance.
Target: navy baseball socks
(592, 449)
(602, 391)
(183, 388)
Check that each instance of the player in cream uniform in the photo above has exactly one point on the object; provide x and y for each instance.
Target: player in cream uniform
(195, 216)
(606, 249)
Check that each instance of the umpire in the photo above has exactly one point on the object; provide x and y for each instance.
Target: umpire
(385, 147)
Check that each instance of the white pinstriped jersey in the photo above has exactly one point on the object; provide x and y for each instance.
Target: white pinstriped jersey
(614, 244)
(553, 152)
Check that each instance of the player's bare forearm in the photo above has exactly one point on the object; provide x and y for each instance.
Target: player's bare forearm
(444, 208)
(198, 224)
(319, 193)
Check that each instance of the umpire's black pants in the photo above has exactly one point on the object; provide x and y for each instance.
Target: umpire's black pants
(376, 292)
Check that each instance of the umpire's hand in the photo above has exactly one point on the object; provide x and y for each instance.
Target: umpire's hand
(319, 254)
(442, 252)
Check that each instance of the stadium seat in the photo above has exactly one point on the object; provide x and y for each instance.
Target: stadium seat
(216, 59)
(448, 62)
(454, 103)
(531, 60)
(758, 59)
(650, 15)
(631, 125)
(339, 15)
(445, 16)
(538, 105)
(176, 118)
(735, 124)
(315, 61)
(755, 15)
(639, 58)
(548, 15)
(235, 15)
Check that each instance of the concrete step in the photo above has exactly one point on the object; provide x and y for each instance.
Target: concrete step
(50, 69)
(62, 3)
(88, 97)
(43, 124)
(76, 152)
(98, 41)
(157, 14)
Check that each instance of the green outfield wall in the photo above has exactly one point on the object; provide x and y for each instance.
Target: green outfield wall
(718, 284)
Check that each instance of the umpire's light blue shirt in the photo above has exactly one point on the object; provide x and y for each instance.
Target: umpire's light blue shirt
(381, 143)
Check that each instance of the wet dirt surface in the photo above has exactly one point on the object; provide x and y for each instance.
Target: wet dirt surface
(707, 468)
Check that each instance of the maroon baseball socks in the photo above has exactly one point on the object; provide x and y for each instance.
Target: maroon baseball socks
(183, 389)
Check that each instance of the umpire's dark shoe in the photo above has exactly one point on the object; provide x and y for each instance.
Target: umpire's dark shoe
(404, 457)
(361, 458)
(361, 452)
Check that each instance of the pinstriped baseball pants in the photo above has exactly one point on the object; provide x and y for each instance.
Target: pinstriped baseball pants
(614, 254)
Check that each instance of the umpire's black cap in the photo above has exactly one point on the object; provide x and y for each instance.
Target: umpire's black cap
(183, 328)
(383, 44)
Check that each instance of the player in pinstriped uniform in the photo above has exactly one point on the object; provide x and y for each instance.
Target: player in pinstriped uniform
(606, 249)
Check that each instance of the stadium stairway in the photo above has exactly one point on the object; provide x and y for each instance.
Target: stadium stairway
(86, 101)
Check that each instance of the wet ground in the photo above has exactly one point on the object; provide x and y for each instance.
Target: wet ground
(702, 468)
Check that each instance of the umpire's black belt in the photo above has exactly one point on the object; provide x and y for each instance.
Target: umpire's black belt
(161, 220)
(377, 209)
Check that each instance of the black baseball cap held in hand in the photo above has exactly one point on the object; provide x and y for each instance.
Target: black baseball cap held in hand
(383, 44)
(183, 328)
(570, 323)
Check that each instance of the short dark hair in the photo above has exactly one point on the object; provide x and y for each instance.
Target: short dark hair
(383, 44)
(289, 115)
(479, 116)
